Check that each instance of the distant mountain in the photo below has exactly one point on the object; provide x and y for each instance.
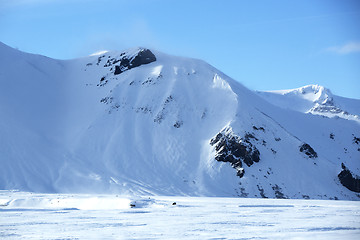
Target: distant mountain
(314, 99)
(143, 122)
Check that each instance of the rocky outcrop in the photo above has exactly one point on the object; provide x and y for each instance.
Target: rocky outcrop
(356, 140)
(235, 150)
(308, 150)
(123, 62)
(144, 56)
(348, 180)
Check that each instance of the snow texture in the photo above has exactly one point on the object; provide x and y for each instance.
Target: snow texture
(59, 216)
(140, 122)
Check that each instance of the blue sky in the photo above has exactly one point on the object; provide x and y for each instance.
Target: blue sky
(266, 45)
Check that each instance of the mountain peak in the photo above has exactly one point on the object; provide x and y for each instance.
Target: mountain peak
(314, 99)
(317, 93)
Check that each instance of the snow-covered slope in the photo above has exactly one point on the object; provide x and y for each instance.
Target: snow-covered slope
(314, 99)
(143, 122)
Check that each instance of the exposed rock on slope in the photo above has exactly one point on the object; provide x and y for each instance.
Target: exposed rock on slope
(348, 180)
(235, 150)
(308, 150)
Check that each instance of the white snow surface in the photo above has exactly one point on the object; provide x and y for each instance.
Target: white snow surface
(73, 126)
(82, 216)
(314, 99)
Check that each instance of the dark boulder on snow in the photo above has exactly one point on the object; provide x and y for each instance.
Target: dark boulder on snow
(308, 150)
(348, 180)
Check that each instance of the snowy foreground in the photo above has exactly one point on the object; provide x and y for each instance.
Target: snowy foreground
(65, 216)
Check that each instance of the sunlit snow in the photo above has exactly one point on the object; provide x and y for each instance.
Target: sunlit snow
(98, 53)
(55, 216)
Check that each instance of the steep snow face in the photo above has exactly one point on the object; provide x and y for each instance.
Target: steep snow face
(314, 99)
(143, 122)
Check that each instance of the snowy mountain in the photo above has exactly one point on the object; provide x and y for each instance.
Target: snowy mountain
(316, 100)
(143, 122)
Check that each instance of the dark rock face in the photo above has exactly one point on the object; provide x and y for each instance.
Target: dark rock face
(144, 56)
(308, 150)
(103, 81)
(278, 193)
(123, 62)
(261, 191)
(178, 124)
(305, 197)
(235, 150)
(259, 128)
(356, 140)
(348, 180)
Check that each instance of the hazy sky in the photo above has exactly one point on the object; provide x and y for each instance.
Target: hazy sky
(266, 45)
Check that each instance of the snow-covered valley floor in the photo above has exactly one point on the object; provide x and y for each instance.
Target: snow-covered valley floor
(67, 216)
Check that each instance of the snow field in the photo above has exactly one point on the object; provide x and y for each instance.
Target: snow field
(61, 216)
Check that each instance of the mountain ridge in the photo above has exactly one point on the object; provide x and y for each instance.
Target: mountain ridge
(314, 99)
(76, 126)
